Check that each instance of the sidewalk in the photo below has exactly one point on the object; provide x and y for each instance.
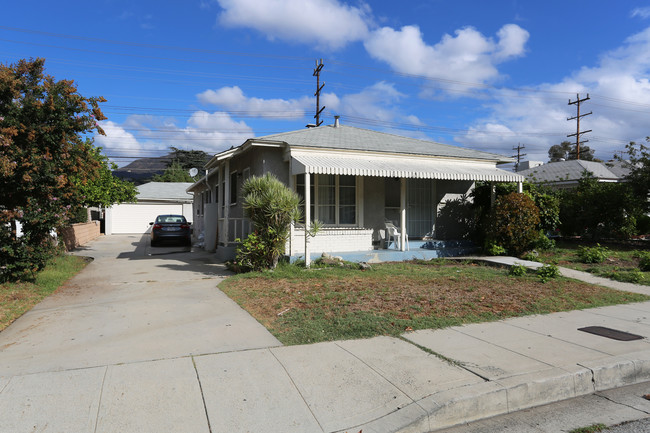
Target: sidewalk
(377, 385)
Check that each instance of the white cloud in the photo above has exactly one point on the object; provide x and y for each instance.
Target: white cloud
(381, 101)
(641, 12)
(619, 89)
(153, 136)
(327, 23)
(233, 99)
(468, 56)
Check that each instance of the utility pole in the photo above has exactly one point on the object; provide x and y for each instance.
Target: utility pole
(519, 155)
(577, 135)
(319, 87)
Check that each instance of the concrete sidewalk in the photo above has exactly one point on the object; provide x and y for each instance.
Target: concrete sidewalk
(376, 385)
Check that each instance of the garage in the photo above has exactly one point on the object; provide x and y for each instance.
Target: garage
(154, 198)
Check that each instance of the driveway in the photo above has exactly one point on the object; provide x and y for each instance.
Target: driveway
(132, 303)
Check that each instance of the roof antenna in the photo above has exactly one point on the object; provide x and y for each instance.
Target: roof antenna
(319, 87)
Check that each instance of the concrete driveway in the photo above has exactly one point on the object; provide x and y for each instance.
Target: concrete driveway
(132, 303)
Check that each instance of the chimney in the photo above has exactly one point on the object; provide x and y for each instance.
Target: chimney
(336, 121)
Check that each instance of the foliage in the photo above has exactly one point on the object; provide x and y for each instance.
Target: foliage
(456, 220)
(644, 261)
(531, 256)
(544, 243)
(567, 151)
(187, 159)
(514, 223)
(548, 272)
(599, 210)
(546, 200)
(492, 249)
(271, 207)
(47, 162)
(173, 173)
(597, 254)
(517, 270)
(639, 178)
(104, 189)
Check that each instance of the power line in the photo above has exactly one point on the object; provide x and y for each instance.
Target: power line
(577, 118)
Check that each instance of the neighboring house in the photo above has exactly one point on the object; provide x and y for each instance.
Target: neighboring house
(154, 198)
(566, 174)
(352, 180)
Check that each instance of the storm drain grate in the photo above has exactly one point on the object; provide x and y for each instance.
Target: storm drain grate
(614, 334)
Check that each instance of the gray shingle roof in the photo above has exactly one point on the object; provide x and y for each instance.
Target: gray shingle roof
(351, 138)
(165, 191)
(566, 171)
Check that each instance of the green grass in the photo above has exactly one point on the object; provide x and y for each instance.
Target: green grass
(18, 298)
(589, 429)
(621, 264)
(302, 306)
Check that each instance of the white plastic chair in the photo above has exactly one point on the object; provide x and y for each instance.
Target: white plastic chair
(393, 235)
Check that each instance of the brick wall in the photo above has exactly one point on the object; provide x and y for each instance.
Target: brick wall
(79, 234)
(332, 240)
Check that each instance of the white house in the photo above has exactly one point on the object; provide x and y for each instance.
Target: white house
(153, 198)
(353, 180)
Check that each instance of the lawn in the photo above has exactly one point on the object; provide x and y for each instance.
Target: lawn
(621, 263)
(18, 298)
(302, 306)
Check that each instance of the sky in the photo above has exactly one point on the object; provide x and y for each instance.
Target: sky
(209, 74)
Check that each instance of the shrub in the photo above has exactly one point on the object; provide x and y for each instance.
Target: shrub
(548, 272)
(532, 256)
(514, 223)
(517, 270)
(544, 243)
(644, 261)
(492, 249)
(595, 254)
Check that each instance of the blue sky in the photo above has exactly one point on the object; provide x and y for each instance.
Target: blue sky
(207, 74)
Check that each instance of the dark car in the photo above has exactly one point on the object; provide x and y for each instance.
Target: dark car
(170, 228)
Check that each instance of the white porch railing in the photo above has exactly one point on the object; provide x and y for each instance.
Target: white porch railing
(238, 228)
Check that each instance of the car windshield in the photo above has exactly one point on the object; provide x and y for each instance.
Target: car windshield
(167, 219)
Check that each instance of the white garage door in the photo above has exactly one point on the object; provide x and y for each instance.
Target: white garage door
(135, 218)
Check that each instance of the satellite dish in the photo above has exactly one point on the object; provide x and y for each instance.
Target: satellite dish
(193, 172)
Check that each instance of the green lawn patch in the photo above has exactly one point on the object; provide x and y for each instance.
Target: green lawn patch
(302, 306)
(619, 263)
(18, 298)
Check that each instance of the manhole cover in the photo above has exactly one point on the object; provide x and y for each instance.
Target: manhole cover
(614, 334)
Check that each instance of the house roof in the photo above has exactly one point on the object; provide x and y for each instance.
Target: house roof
(344, 137)
(571, 171)
(165, 191)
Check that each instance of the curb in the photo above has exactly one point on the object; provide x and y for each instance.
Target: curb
(511, 394)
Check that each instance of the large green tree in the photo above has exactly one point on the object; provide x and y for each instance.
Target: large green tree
(48, 164)
(639, 178)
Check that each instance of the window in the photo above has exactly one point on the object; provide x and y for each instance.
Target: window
(233, 187)
(333, 198)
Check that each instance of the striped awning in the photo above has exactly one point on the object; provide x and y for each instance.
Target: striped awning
(395, 166)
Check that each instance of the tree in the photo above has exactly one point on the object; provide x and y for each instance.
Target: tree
(639, 177)
(46, 161)
(173, 173)
(187, 159)
(567, 151)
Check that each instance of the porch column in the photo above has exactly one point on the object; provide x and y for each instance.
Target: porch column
(226, 202)
(402, 215)
(520, 187)
(307, 219)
